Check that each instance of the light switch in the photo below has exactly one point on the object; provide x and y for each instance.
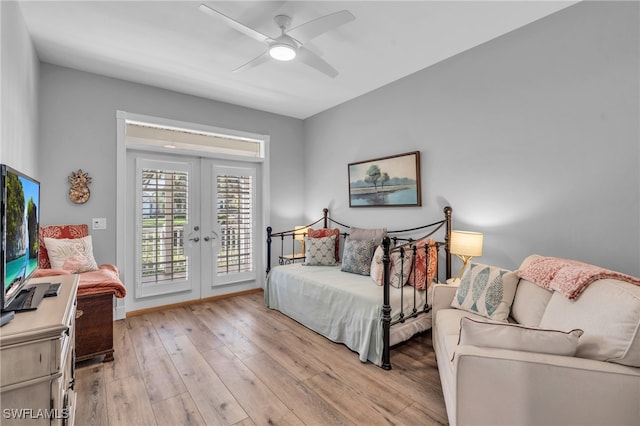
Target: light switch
(99, 223)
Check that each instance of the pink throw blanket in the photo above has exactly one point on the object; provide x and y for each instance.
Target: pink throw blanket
(569, 277)
(105, 279)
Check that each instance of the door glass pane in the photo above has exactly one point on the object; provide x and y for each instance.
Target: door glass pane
(235, 218)
(164, 214)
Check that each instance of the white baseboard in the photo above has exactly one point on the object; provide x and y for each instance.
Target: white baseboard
(119, 313)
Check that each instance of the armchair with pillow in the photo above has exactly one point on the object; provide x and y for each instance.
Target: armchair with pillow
(510, 351)
(68, 249)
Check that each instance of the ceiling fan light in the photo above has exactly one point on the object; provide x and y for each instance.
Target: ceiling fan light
(282, 52)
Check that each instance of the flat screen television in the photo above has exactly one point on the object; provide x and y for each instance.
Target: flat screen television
(20, 218)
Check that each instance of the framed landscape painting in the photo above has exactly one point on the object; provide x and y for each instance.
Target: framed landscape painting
(386, 182)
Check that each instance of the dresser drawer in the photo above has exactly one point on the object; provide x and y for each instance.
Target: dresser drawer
(30, 360)
(29, 403)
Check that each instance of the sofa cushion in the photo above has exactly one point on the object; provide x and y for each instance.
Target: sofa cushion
(609, 313)
(517, 337)
(447, 324)
(530, 302)
(487, 291)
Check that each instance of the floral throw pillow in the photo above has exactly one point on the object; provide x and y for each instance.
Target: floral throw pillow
(319, 251)
(487, 291)
(399, 268)
(74, 255)
(357, 255)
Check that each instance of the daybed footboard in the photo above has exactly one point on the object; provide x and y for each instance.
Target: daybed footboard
(308, 286)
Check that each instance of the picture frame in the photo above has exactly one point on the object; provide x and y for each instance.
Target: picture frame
(392, 181)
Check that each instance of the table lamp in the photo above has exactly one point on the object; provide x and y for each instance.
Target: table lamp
(299, 233)
(465, 245)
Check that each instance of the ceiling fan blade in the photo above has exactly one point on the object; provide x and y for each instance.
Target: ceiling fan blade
(309, 58)
(254, 62)
(307, 31)
(256, 35)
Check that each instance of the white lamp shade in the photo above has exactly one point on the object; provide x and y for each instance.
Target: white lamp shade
(465, 243)
(300, 232)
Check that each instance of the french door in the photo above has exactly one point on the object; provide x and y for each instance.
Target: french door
(195, 228)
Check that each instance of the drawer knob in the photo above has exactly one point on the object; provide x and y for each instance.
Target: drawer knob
(79, 313)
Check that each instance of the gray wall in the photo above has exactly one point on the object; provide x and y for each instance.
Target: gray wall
(78, 130)
(19, 87)
(532, 138)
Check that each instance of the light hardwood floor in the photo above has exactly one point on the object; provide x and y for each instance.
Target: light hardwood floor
(235, 362)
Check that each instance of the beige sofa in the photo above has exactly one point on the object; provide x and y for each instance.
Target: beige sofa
(599, 385)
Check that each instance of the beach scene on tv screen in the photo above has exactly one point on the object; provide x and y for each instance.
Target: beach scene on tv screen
(21, 227)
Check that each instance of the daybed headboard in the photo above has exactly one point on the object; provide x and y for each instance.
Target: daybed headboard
(396, 236)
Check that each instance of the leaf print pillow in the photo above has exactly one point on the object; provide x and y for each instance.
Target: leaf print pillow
(487, 291)
(74, 255)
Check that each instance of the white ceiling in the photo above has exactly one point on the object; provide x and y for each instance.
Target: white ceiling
(171, 44)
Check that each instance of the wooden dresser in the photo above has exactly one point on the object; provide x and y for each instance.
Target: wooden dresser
(37, 357)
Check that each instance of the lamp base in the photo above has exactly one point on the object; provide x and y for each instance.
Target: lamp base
(465, 260)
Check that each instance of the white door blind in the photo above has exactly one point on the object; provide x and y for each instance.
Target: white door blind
(164, 214)
(235, 218)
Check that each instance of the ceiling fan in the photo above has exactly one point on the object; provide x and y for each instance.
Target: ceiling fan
(290, 43)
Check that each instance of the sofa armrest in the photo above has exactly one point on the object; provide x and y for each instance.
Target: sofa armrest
(498, 386)
(442, 296)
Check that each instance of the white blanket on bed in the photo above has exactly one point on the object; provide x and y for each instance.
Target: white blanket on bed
(344, 307)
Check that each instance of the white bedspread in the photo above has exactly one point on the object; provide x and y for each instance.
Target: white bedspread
(343, 307)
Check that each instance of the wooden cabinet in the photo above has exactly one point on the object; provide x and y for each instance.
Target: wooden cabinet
(94, 326)
(37, 356)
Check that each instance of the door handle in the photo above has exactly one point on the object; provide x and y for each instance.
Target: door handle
(195, 239)
(214, 236)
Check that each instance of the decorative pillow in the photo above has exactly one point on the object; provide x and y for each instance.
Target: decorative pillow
(398, 268)
(518, 338)
(422, 276)
(326, 232)
(58, 231)
(357, 255)
(609, 313)
(530, 303)
(377, 268)
(74, 255)
(368, 234)
(487, 291)
(320, 251)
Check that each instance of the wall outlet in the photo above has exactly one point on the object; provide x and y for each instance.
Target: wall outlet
(99, 223)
